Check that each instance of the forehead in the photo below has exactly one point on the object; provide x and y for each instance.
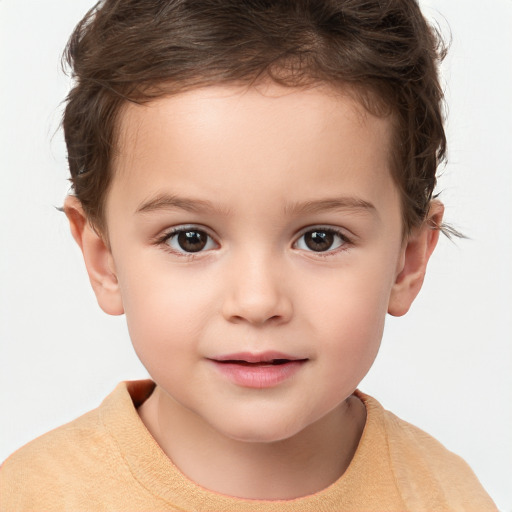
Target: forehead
(228, 140)
(266, 105)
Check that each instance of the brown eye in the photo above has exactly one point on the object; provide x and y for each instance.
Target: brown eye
(192, 241)
(189, 241)
(318, 240)
(321, 240)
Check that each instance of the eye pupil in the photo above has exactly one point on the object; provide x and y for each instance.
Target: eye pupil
(319, 241)
(192, 241)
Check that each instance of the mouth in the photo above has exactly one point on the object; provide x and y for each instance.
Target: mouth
(273, 362)
(255, 359)
(259, 371)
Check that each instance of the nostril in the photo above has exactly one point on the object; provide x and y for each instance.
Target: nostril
(257, 308)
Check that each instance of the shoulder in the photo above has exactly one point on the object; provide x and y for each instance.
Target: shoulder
(51, 449)
(427, 475)
(44, 466)
(77, 464)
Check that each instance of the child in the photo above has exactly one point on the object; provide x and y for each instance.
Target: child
(253, 189)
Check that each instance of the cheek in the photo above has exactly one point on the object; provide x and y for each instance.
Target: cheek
(165, 311)
(350, 347)
(349, 317)
(354, 335)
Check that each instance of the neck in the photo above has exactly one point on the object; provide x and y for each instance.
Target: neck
(298, 466)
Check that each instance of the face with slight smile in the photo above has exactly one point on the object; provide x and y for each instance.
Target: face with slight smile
(256, 238)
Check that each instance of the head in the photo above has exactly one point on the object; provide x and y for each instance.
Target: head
(383, 52)
(255, 182)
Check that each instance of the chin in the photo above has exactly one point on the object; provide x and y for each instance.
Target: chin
(262, 431)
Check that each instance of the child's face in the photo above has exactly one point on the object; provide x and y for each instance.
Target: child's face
(249, 225)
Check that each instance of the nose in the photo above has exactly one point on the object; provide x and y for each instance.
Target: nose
(256, 292)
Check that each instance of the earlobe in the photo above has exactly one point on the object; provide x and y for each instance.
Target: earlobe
(414, 259)
(97, 257)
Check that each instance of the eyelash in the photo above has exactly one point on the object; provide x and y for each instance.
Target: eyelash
(346, 242)
(164, 239)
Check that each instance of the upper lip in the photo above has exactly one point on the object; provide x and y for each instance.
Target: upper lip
(256, 357)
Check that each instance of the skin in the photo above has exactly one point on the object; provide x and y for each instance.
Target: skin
(255, 169)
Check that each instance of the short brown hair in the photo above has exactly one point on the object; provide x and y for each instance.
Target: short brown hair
(137, 50)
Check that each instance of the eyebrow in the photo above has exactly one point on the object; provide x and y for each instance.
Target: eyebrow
(337, 203)
(174, 202)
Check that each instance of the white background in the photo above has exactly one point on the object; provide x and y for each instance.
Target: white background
(446, 366)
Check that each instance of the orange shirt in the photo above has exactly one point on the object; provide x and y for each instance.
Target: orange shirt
(107, 460)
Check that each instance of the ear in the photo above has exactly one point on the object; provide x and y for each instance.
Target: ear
(97, 257)
(413, 263)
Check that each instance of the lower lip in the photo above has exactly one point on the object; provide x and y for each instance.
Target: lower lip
(259, 377)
